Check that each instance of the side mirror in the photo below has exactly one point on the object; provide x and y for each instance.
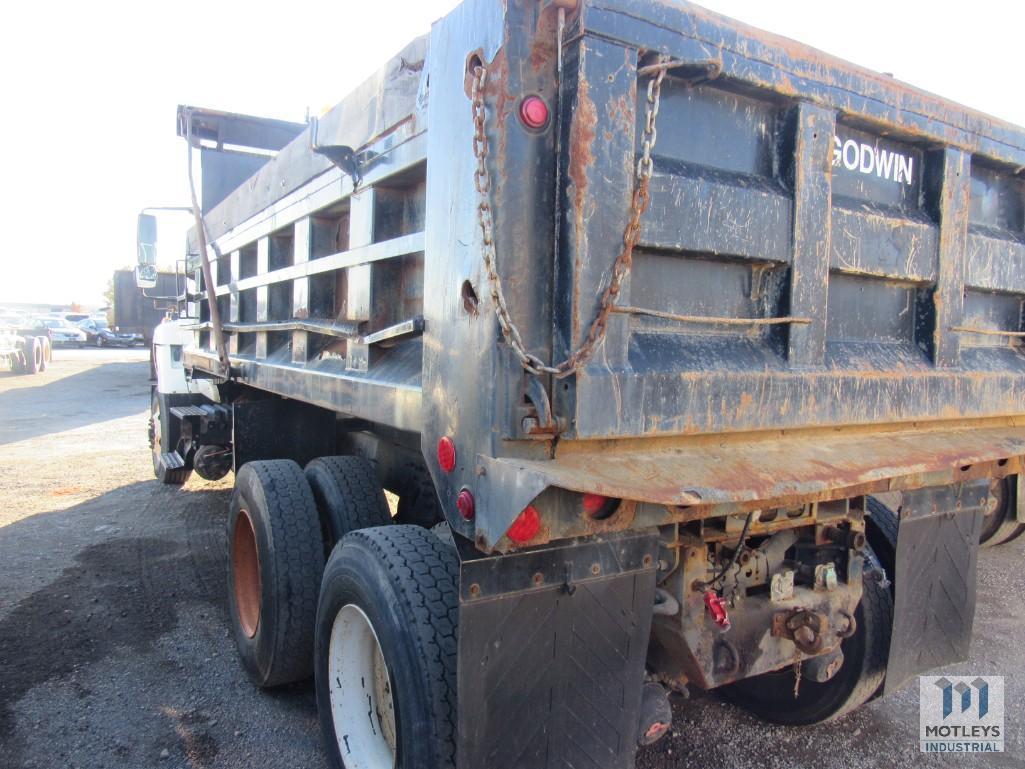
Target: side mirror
(146, 246)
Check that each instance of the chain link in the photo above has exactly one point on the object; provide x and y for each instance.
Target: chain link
(620, 268)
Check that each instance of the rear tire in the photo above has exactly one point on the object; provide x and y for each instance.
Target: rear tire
(999, 525)
(396, 588)
(275, 564)
(881, 527)
(418, 501)
(349, 497)
(771, 696)
(1014, 534)
(33, 355)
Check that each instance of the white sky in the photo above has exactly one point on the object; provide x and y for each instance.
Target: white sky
(90, 91)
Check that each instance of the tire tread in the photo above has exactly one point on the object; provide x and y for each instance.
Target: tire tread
(425, 573)
(363, 501)
(297, 552)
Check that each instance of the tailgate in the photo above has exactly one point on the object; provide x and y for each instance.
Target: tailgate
(887, 224)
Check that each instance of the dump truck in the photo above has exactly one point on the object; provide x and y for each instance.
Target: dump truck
(635, 309)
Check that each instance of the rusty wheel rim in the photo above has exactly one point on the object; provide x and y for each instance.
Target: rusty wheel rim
(245, 566)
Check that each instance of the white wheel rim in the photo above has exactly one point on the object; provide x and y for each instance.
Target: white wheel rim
(362, 707)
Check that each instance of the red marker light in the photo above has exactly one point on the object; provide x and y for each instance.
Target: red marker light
(465, 504)
(594, 503)
(447, 454)
(534, 112)
(526, 526)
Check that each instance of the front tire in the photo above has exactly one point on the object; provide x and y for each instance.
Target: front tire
(387, 625)
(771, 696)
(275, 562)
(164, 434)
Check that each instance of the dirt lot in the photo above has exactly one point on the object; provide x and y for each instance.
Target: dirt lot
(113, 643)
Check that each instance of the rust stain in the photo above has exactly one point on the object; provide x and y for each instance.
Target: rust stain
(580, 153)
(543, 51)
(582, 133)
(472, 59)
(746, 400)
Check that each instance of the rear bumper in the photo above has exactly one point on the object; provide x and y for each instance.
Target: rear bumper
(707, 476)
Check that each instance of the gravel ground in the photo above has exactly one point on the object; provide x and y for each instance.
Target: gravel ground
(114, 650)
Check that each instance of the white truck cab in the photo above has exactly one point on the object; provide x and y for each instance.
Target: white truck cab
(170, 339)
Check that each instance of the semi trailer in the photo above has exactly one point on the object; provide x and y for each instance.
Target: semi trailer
(25, 345)
(138, 311)
(635, 309)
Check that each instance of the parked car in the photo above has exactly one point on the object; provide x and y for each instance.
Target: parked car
(102, 335)
(62, 333)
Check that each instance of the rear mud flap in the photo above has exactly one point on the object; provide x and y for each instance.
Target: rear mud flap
(552, 644)
(937, 545)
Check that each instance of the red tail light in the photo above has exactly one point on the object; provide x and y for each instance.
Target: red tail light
(534, 112)
(526, 526)
(599, 507)
(465, 504)
(447, 454)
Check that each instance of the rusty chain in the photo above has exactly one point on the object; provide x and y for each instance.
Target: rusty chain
(620, 268)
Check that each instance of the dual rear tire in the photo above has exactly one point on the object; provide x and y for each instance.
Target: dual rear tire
(1000, 524)
(320, 582)
(386, 646)
(32, 356)
(276, 558)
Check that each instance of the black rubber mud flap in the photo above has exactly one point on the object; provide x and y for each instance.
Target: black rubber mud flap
(552, 644)
(937, 546)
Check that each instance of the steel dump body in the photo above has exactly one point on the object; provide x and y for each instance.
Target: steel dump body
(831, 262)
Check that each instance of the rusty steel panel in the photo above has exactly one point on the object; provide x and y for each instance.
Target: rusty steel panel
(809, 272)
(812, 231)
(777, 470)
(948, 297)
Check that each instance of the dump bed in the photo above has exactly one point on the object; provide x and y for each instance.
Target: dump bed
(842, 248)
(830, 261)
